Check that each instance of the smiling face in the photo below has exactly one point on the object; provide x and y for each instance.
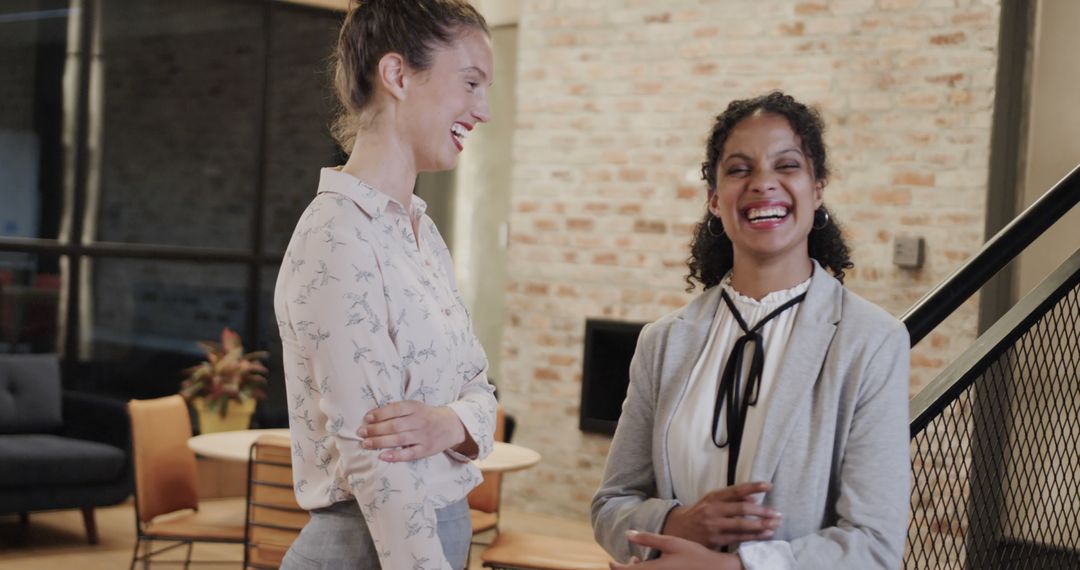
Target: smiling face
(766, 192)
(443, 103)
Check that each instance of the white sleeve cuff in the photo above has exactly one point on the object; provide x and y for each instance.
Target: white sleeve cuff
(457, 456)
(767, 555)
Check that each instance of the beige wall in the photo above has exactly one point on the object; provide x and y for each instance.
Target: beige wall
(471, 204)
(1053, 134)
(614, 101)
(482, 204)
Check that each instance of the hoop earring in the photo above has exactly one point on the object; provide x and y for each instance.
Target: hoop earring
(821, 218)
(709, 226)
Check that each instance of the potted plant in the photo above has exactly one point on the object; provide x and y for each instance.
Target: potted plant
(223, 388)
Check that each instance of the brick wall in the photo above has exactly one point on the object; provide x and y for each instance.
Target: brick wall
(615, 100)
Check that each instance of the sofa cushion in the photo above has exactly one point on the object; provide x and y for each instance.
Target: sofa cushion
(29, 393)
(41, 459)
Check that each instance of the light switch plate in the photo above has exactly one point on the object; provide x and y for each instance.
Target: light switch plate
(908, 252)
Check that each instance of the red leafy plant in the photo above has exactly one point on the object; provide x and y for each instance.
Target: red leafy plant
(228, 374)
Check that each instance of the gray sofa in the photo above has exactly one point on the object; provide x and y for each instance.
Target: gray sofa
(58, 449)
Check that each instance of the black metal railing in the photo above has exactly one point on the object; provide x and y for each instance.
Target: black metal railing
(994, 443)
(928, 312)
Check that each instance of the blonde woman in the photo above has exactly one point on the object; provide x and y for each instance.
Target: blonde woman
(387, 386)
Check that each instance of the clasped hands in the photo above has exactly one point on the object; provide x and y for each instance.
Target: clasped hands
(691, 535)
(411, 430)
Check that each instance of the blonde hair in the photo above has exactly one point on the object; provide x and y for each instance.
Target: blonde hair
(374, 28)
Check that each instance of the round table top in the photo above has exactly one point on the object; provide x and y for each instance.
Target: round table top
(235, 446)
(506, 457)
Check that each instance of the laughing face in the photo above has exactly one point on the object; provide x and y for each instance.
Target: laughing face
(766, 192)
(444, 103)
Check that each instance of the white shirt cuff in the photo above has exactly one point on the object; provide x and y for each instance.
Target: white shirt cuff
(767, 555)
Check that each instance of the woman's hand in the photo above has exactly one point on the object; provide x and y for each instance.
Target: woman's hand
(677, 554)
(419, 430)
(725, 516)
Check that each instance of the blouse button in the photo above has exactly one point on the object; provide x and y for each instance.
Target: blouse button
(446, 312)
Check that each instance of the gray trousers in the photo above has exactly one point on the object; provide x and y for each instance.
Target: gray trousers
(337, 538)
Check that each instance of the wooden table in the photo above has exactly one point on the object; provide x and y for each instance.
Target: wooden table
(235, 445)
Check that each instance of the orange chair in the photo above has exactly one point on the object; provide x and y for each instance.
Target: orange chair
(484, 499)
(274, 520)
(166, 484)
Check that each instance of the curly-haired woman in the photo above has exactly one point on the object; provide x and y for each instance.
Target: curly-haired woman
(765, 426)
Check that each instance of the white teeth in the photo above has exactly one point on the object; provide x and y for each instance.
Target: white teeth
(755, 214)
(459, 131)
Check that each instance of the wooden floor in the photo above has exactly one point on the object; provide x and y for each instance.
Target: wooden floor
(57, 540)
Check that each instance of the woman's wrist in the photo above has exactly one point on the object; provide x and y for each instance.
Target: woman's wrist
(461, 441)
(673, 523)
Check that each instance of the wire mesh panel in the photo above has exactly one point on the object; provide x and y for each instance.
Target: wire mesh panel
(997, 472)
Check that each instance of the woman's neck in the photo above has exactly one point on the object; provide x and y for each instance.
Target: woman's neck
(756, 280)
(382, 161)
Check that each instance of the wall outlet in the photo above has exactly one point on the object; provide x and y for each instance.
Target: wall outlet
(908, 252)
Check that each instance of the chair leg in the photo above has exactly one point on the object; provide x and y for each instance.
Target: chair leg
(135, 553)
(90, 524)
(148, 548)
(187, 560)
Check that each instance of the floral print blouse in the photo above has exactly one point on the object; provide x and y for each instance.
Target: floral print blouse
(369, 314)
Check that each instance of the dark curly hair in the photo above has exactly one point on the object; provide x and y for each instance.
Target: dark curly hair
(711, 257)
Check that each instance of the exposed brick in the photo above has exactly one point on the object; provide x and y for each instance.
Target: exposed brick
(579, 224)
(923, 361)
(613, 106)
(897, 196)
(948, 39)
(536, 289)
(562, 360)
(950, 79)
(650, 226)
(792, 29)
(706, 32)
(686, 192)
(811, 8)
(631, 174)
(545, 224)
(911, 178)
(605, 259)
(545, 374)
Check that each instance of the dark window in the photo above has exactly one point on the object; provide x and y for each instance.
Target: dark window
(33, 45)
(165, 163)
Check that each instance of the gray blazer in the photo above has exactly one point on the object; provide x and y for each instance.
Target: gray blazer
(835, 440)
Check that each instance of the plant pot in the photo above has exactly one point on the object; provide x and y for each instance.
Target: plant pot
(238, 416)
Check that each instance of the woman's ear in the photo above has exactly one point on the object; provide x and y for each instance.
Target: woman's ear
(819, 193)
(392, 74)
(710, 202)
